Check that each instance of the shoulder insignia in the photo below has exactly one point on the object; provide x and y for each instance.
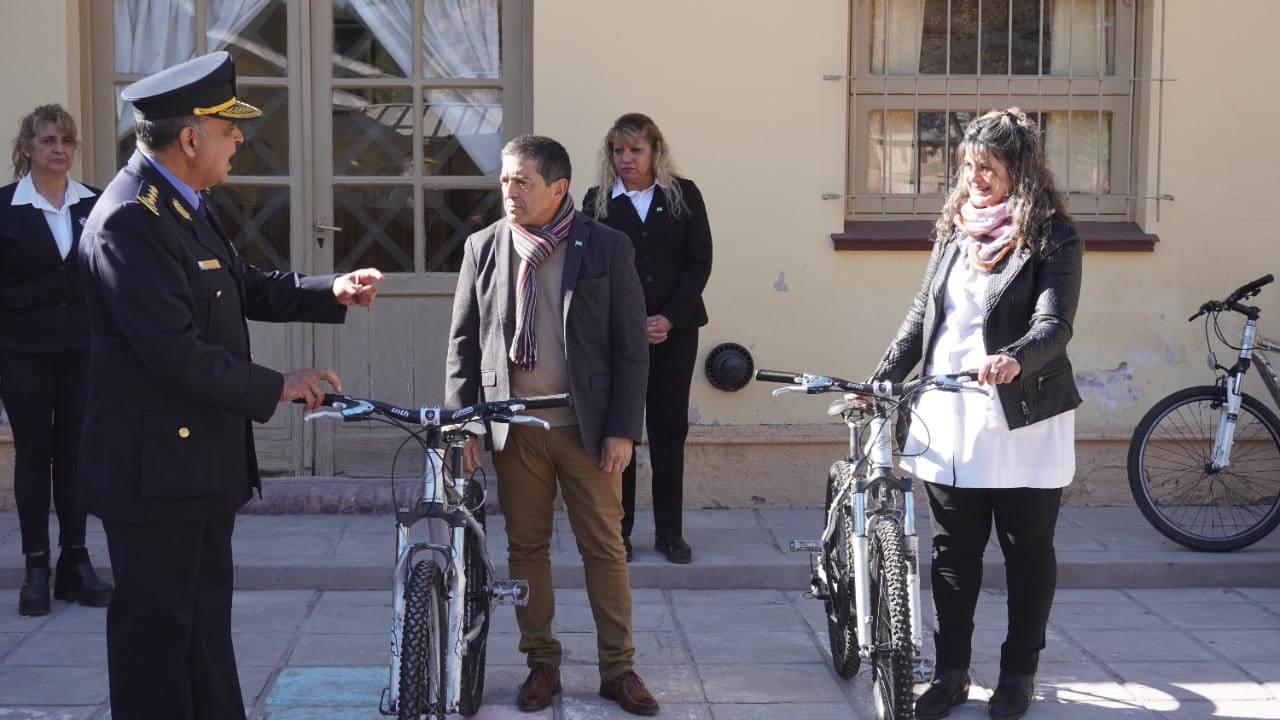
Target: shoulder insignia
(177, 207)
(149, 195)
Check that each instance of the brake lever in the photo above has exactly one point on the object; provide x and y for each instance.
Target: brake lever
(528, 420)
(356, 411)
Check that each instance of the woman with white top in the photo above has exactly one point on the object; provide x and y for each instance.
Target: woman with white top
(999, 296)
(44, 349)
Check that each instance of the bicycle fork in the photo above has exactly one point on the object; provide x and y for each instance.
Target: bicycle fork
(1221, 456)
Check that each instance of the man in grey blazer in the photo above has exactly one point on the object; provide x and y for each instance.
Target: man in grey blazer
(548, 301)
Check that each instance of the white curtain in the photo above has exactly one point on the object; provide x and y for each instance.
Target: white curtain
(896, 30)
(1078, 144)
(151, 35)
(460, 40)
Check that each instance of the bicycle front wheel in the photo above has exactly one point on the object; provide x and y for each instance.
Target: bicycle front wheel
(891, 612)
(476, 610)
(1178, 490)
(422, 651)
(837, 559)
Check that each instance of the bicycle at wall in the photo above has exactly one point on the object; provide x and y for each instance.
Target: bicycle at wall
(443, 588)
(865, 567)
(1204, 462)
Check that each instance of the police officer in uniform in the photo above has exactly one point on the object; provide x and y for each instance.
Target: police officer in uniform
(167, 455)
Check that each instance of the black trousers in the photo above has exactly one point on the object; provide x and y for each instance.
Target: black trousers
(169, 652)
(667, 421)
(44, 394)
(1025, 519)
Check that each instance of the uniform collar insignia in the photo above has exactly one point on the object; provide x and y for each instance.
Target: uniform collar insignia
(149, 196)
(177, 207)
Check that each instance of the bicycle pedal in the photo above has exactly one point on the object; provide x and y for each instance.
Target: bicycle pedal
(510, 592)
(921, 670)
(805, 546)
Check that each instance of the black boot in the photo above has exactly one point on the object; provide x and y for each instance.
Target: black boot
(76, 581)
(33, 598)
(1012, 696)
(948, 689)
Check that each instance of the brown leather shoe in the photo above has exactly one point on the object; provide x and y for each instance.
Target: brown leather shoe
(535, 694)
(630, 693)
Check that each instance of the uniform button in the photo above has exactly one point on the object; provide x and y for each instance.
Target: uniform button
(648, 278)
(644, 234)
(63, 303)
(218, 294)
(184, 433)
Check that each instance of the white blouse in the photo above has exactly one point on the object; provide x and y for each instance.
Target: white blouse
(962, 439)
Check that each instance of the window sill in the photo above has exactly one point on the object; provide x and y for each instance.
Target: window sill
(898, 235)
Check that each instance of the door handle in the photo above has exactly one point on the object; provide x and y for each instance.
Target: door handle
(330, 228)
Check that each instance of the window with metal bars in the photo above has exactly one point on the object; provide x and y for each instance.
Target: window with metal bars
(922, 69)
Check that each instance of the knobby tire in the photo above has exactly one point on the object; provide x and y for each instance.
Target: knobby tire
(837, 558)
(891, 679)
(1172, 485)
(476, 610)
(422, 649)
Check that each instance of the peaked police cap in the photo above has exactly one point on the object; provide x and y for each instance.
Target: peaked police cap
(205, 85)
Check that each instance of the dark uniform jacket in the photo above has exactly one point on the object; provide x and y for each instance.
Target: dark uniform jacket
(605, 343)
(673, 255)
(41, 303)
(1027, 314)
(172, 388)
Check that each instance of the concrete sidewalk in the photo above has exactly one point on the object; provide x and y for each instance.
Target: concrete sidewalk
(1140, 628)
(1102, 547)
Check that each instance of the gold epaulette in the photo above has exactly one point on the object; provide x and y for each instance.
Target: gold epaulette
(149, 196)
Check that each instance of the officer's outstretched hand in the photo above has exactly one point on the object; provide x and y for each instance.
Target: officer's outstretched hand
(357, 287)
(307, 385)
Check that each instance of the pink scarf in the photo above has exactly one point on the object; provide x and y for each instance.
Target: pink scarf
(986, 234)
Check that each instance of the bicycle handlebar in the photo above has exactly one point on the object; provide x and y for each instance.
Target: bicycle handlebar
(1232, 301)
(814, 384)
(351, 408)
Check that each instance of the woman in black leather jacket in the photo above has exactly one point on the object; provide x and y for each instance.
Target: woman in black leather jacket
(999, 295)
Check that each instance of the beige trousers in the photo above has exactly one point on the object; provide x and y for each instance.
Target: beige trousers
(528, 469)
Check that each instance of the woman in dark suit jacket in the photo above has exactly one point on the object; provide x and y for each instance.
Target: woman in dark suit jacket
(44, 341)
(639, 193)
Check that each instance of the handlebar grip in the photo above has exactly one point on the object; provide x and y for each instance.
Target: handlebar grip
(1248, 289)
(777, 376)
(547, 401)
(328, 400)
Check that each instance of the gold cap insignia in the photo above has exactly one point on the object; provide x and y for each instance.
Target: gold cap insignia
(149, 195)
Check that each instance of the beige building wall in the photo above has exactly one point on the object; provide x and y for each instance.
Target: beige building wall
(738, 88)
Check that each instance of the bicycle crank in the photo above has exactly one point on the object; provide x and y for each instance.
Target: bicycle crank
(510, 592)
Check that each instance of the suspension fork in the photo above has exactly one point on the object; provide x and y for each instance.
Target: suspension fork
(1221, 456)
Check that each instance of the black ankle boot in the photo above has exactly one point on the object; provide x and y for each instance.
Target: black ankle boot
(33, 598)
(1012, 696)
(948, 689)
(76, 581)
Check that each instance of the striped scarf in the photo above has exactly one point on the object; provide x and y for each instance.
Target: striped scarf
(533, 245)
